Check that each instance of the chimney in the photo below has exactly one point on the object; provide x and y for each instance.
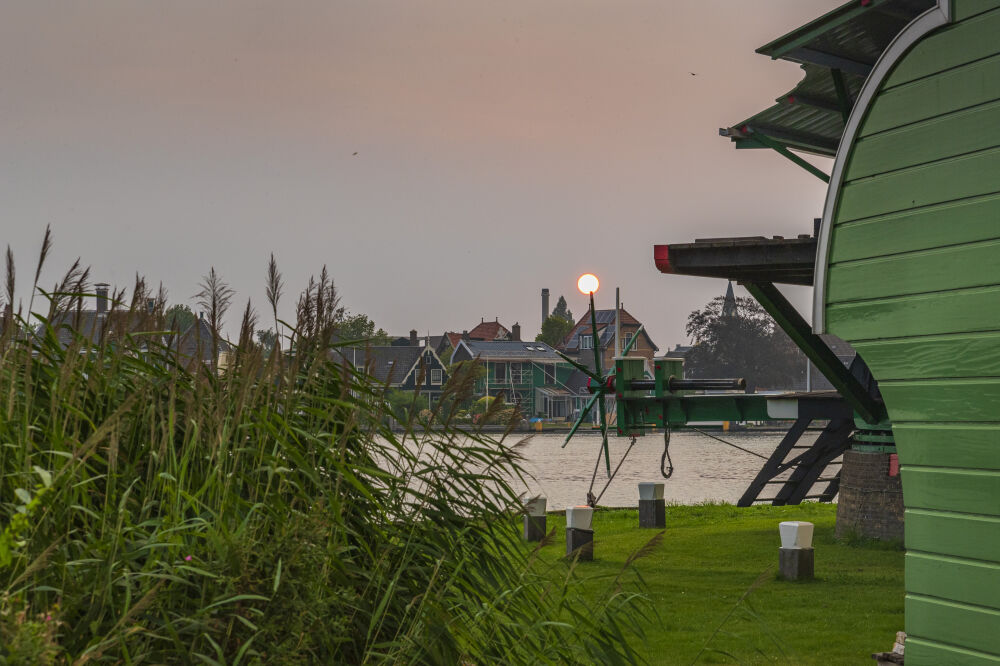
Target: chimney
(102, 296)
(545, 305)
(413, 337)
(515, 332)
(465, 335)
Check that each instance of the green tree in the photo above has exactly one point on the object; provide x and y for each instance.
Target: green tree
(179, 317)
(562, 311)
(554, 330)
(746, 344)
(360, 327)
(267, 338)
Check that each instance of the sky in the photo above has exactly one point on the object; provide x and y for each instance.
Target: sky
(445, 160)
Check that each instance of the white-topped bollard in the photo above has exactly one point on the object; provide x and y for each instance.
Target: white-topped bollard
(534, 519)
(652, 508)
(579, 535)
(795, 557)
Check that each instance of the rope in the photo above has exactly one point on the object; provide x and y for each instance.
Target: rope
(666, 471)
(719, 439)
(610, 478)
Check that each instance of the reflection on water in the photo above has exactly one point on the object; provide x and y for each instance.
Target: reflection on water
(704, 469)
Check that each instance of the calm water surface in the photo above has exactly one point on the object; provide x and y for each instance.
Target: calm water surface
(704, 469)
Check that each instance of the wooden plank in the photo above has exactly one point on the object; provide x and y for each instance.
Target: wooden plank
(937, 138)
(963, 355)
(949, 47)
(965, 221)
(963, 491)
(968, 311)
(945, 180)
(971, 627)
(942, 93)
(943, 400)
(963, 9)
(920, 651)
(965, 581)
(958, 535)
(943, 445)
(955, 267)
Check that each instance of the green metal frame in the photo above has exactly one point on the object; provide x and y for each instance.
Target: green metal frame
(785, 152)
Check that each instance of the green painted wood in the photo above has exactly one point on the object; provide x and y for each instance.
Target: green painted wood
(964, 491)
(959, 355)
(942, 93)
(954, 267)
(964, 9)
(943, 445)
(965, 221)
(949, 47)
(926, 314)
(937, 138)
(958, 535)
(920, 651)
(965, 581)
(945, 180)
(952, 623)
(943, 400)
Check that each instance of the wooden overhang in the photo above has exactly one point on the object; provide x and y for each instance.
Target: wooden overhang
(837, 51)
(747, 259)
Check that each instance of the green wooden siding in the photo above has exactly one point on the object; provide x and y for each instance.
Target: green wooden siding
(913, 282)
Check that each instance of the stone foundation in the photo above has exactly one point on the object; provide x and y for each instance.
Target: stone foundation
(870, 504)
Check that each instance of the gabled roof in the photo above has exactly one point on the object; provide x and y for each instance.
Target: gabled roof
(507, 350)
(388, 365)
(196, 342)
(605, 329)
(490, 330)
(837, 51)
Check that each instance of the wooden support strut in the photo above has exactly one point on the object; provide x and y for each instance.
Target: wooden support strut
(792, 323)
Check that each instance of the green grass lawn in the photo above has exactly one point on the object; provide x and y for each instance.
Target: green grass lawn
(712, 554)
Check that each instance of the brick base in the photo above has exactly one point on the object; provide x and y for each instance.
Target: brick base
(870, 504)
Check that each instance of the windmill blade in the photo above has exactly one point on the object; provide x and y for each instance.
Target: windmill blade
(604, 434)
(582, 368)
(583, 415)
(595, 341)
(631, 342)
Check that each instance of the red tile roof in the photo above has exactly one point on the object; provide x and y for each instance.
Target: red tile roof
(490, 330)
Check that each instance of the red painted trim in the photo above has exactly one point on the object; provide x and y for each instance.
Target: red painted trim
(661, 255)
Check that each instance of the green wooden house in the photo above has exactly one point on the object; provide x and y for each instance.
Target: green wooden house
(908, 271)
(529, 374)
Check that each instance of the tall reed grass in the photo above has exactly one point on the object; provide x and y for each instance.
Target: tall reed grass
(158, 510)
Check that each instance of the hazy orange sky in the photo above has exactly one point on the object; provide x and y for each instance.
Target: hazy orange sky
(501, 147)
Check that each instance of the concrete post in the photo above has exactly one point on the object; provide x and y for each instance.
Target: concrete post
(579, 535)
(534, 519)
(652, 508)
(795, 557)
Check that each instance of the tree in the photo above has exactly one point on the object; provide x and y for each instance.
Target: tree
(562, 311)
(745, 344)
(179, 317)
(554, 330)
(360, 327)
(267, 339)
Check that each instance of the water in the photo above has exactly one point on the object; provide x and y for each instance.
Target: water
(704, 469)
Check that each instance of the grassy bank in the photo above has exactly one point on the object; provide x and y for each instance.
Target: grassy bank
(712, 555)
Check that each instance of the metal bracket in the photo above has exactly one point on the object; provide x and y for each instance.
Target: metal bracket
(784, 152)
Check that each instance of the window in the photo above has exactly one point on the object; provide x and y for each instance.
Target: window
(518, 375)
(550, 373)
(500, 372)
(586, 342)
(436, 376)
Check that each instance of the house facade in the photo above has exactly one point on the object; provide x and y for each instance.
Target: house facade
(406, 368)
(529, 374)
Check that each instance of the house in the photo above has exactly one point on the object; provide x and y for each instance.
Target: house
(492, 330)
(579, 344)
(529, 374)
(406, 368)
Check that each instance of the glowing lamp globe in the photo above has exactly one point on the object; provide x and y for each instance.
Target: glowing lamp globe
(588, 283)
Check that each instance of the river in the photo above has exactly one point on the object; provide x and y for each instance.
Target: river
(704, 469)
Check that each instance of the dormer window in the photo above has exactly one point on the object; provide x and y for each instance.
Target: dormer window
(586, 342)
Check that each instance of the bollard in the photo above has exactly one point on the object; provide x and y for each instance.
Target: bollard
(579, 535)
(795, 557)
(652, 508)
(534, 519)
